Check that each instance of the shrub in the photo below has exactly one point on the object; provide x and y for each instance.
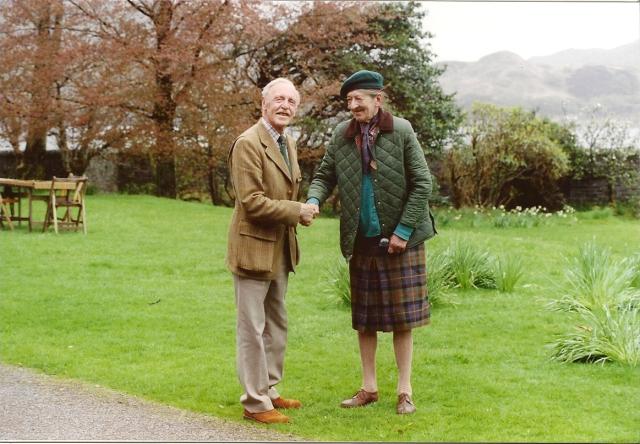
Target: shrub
(340, 283)
(595, 279)
(611, 335)
(508, 270)
(605, 295)
(469, 266)
(439, 277)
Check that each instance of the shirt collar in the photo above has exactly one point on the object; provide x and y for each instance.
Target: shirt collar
(276, 135)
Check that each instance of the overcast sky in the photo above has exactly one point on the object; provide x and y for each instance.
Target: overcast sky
(469, 31)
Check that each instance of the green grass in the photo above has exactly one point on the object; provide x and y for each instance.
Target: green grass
(144, 304)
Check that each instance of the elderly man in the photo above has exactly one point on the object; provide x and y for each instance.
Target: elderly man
(263, 249)
(384, 186)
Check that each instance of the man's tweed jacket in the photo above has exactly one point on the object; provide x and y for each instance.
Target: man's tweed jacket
(266, 210)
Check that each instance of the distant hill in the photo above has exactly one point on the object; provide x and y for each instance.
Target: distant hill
(555, 85)
(626, 56)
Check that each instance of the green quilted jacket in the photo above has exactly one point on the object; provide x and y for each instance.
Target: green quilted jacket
(401, 182)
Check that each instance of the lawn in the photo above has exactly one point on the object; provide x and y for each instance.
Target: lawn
(144, 305)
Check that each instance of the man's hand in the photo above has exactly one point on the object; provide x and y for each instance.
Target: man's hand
(307, 213)
(396, 245)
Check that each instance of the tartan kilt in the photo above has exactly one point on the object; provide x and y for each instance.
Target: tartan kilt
(389, 292)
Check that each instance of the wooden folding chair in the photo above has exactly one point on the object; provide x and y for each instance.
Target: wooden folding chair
(4, 211)
(67, 193)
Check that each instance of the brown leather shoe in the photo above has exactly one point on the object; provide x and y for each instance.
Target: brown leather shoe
(360, 399)
(282, 403)
(269, 417)
(405, 404)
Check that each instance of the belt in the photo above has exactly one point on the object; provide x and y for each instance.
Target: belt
(370, 246)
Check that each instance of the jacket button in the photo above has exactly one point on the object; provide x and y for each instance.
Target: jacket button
(378, 202)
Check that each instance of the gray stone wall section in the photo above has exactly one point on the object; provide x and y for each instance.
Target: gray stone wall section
(103, 174)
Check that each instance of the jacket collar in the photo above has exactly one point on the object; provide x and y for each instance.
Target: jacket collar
(273, 151)
(385, 123)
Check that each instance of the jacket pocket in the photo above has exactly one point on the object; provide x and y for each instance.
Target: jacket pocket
(256, 247)
(257, 231)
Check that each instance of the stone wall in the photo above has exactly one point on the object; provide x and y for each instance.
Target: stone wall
(597, 191)
(103, 174)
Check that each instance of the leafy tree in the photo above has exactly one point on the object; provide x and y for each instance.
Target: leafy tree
(402, 55)
(31, 49)
(328, 41)
(177, 81)
(309, 50)
(162, 54)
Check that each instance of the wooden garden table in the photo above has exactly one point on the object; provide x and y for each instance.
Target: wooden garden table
(32, 190)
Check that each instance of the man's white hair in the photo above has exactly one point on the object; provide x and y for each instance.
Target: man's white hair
(268, 86)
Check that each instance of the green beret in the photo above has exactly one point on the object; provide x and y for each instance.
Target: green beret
(361, 80)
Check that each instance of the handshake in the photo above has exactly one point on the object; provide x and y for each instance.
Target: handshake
(308, 212)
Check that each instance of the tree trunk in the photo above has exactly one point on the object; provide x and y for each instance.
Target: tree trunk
(212, 185)
(33, 166)
(166, 177)
(49, 38)
(164, 110)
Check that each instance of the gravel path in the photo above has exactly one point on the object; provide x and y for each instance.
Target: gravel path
(34, 406)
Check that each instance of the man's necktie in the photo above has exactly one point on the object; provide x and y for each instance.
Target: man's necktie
(283, 150)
